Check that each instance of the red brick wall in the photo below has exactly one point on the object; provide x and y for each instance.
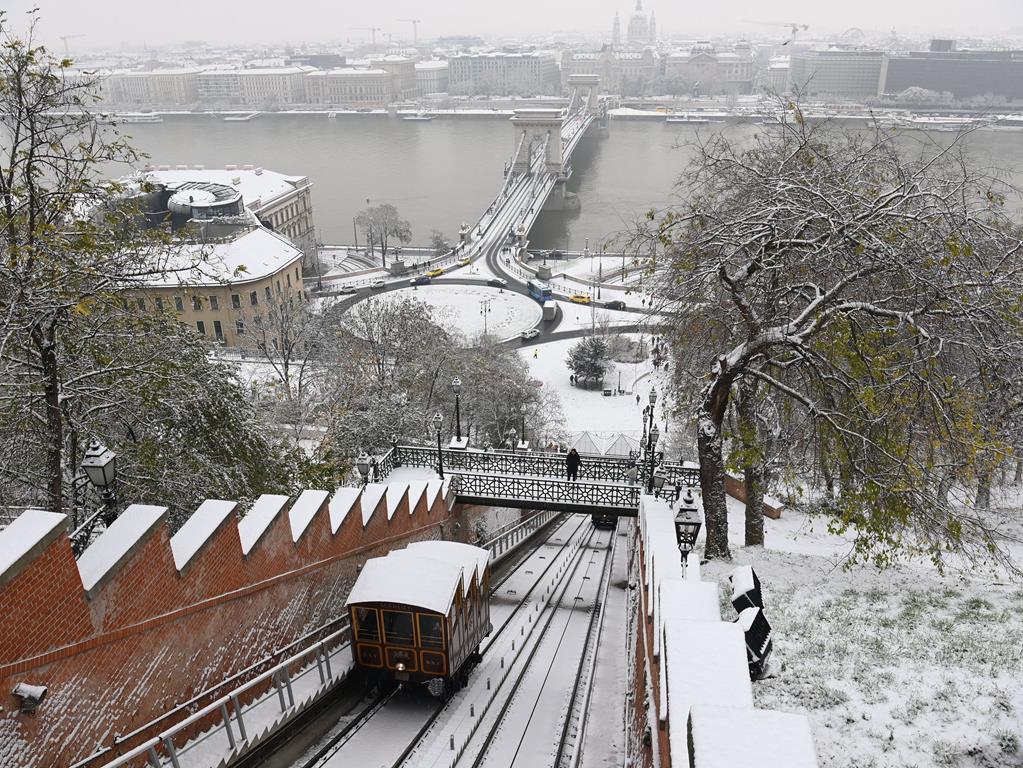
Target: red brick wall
(151, 637)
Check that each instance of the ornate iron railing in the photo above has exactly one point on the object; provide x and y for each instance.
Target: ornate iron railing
(562, 495)
(677, 474)
(536, 463)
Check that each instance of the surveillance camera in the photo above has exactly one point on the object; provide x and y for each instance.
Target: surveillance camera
(31, 696)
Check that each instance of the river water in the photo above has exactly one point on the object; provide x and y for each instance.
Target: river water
(442, 172)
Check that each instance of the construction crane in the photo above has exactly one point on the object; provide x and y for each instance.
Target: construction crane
(415, 29)
(373, 32)
(793, 28)
(65, 38)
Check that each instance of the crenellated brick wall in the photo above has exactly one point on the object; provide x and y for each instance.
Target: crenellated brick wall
(149, 635)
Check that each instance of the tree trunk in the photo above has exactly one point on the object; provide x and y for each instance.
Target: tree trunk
(46, 344)
(983, 500)
(829, 481)
(944, 486)
(1018, 477)
(753, 468)
(712, 485)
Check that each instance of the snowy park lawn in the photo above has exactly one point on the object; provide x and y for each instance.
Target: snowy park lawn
(899, 668)
(457, 307)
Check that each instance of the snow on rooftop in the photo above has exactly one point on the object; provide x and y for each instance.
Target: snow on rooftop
(303, 510)
(421, 65)
(472, 560)
(28, 529)
(251, 255)
(347, 72)
(198, 529)
(395, 493)
(258, 519)
(705, 663)
(401, 577)
(341, 503)
(260, 188)
(724, 737)
(371, 495)
(117, 542)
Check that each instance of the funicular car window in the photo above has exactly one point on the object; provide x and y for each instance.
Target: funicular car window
(398, 628)
(367, 624)
(431, 631)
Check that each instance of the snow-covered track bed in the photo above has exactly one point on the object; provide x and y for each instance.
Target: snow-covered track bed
(388, 730)
(517, 707)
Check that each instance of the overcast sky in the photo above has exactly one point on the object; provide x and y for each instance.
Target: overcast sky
(111, 22)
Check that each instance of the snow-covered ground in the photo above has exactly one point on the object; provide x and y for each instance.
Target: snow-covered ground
(460, 308)
(588, 409)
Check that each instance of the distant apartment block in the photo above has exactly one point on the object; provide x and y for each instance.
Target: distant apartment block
(706, 70)
(349, 87)
(841, 74)
(527, 74)
(964, 74)
(631, 73)
(431, 77)
(403, 76)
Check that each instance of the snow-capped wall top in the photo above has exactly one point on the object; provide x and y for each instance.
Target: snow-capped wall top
(303, 510)
(341, 503)
(395, 493)
(198, 529)
(371, 496)
(706, 664)
(258, 519)
(31, 532)
(416, 489)
(724, 737)
(117, 543)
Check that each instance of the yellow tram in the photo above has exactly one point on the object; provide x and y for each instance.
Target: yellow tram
(419, 614)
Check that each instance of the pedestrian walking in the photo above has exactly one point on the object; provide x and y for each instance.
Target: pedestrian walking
(637, 399)
(536, 353)
(572, 464)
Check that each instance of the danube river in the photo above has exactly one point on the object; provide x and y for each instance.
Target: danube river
(442, 172)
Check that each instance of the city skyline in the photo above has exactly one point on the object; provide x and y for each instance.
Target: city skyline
(162, 25)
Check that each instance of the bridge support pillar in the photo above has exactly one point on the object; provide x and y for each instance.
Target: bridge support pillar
(535, 128)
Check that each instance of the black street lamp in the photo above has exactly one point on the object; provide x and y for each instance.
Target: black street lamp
(651, 446)
(437, 421)
(363, 465)
(522, 414)
(100, 465)
(456, 384)
(687, 526)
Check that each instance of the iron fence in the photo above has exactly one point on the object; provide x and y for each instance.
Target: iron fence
(536, 463)
(559, 495)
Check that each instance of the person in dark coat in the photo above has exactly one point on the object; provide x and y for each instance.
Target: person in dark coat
(572, 464)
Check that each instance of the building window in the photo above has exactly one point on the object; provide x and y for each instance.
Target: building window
(253, 298)
(201, 327)
(296, 274)
(196, 304)
(218, 330)
(287, 279)
(124, 303)
(236, 301)
(269, 294)
(215, 303)
(141, 304)
(239, 327)
(159, 303)
(179, 305)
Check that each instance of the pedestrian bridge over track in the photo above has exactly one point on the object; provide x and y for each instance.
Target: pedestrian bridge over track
(536, 479)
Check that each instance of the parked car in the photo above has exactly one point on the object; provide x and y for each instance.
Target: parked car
(616, 304)
(531, 333)
(421, 280)
(498, 282)
(348, 289)
(579, 298)
(435, 272)
(377, 285)
(464, 262)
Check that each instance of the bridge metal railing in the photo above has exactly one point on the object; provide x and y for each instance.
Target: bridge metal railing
(560, 495)
(540, 463)
(508, 538)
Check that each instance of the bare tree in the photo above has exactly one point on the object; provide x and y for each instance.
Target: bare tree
(382, 224)
(857, 283)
